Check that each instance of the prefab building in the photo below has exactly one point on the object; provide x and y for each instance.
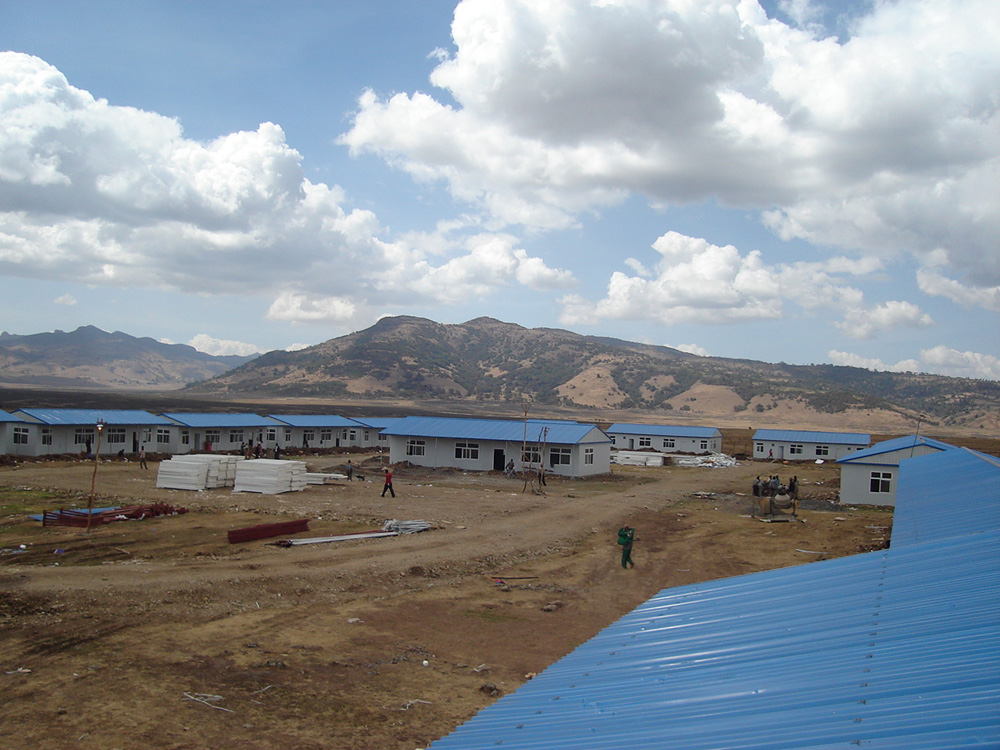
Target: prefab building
(219, 432)
(15, 435)
(373, 435)
(566, 448)
(317, 431)
(806, 445)
(870, 476)
(666, 438)
(57, 431)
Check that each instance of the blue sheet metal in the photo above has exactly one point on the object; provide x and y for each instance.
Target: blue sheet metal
(548, 431)
(809, 436)
(222, 421)
(7, 417)
(892, 649)
(663, 430)
(889, 446)
(93, 416)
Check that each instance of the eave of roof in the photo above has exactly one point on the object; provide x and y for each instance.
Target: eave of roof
(90, 417)
(810, 436)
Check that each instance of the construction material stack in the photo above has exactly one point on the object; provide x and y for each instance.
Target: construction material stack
(197, 472)
(269, 476)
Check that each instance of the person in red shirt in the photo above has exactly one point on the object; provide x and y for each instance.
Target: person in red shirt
(388, 483)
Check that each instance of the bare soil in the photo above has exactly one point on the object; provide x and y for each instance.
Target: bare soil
(160, 634)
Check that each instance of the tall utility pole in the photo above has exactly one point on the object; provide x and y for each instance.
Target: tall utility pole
(93, 478)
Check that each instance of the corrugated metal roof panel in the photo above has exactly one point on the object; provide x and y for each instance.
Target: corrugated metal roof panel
(566, 433)
(809, 436)
(376, 423)
(665, 430)
(901, 650)
(900, 443)
(92, 416)
(6, 417)
(203, 420)
(315, 420)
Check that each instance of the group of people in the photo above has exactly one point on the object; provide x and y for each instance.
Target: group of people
(251, 450)
(772, 487)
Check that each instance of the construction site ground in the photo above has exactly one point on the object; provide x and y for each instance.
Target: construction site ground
(158, 633)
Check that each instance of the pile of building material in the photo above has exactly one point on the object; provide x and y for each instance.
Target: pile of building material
(83, 518)
(197, 471)
(637, 458)
(710, 461)
(270, 476)
(314, 477)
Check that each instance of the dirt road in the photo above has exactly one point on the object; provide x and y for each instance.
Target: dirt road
(159, 634)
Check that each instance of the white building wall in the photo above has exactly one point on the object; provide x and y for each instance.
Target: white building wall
(856, 479)
(630, 442)
(802, 451)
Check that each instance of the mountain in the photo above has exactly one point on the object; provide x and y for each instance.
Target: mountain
(91, 358)
(486, 361)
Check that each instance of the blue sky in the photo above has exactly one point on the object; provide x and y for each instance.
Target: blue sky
(793, 181)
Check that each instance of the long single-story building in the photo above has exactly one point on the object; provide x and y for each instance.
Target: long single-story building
(319, 431)
(807, 445)
(870, 476)
(221, 432)
(566, 448)
(55, 431)
(667, 438)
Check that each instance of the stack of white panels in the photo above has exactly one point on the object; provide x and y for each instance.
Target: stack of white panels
(269, 476)
(221, 468)
(182, 475)
(318, 478)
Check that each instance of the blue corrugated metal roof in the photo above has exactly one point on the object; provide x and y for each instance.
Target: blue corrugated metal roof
(203, 420)
(92, 416)
(565, 433)
(902, 650)
(376, 423)
(6, 417)
(315, 420)
(900, 443)
(809, 436)
(664, 430)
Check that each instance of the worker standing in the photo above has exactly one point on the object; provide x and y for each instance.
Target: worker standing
(626, 536)
(388, 483)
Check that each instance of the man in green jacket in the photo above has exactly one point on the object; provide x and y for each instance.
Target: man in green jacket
(626, 535)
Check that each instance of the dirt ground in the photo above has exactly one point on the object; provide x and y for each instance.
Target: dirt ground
(160, 634)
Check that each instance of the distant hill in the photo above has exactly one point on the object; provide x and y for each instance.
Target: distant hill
(91, 358)
(486, 361)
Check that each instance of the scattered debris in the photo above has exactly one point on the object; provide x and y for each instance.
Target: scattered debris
(79, 518)
(206, 699)
(389, 528)
(552, 606)
(490, 689)
(267, 530)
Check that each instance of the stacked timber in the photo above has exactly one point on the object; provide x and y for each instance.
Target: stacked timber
(269, 476)
(197, 472)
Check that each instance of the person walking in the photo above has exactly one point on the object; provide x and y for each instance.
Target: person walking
(626, 536)
(388, 483)
(142, 458)
(350, 470)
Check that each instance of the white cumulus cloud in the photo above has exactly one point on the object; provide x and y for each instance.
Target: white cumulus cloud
(940, 360)
(65, 299)
(222, 347)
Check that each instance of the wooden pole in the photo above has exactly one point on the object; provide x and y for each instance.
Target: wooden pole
(93, 478)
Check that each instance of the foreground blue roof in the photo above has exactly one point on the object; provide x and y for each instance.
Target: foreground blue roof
(92, 416)
(809, 436)
(218, 420)
(550, 431)
(315, 420)
(901, 650)
(665, 430)
(6, 417)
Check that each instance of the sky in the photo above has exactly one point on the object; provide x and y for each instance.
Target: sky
(786, 181)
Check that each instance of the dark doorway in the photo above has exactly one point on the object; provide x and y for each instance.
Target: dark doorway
(498, 459)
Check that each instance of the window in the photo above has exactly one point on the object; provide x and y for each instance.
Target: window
(559, 456)
(822, 450)
(213, 436)
(704, 445)
(758, 448)
(588, 455)
(415, 448)
(353, 435)
(325, 435)
(467, 451)
(116, 435)
(46, 436)
(83, 436)
(668, 442)
(612, 439)
(20, 436)
(366, 437)
(236, 436)
(308, 435)
(531, 455)
(645, 442)
(272, 435)
(881, 481)
(383, 438)
(795, 449)
(162, 435)
(147, 435)
(185, 437)
(288, 434)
